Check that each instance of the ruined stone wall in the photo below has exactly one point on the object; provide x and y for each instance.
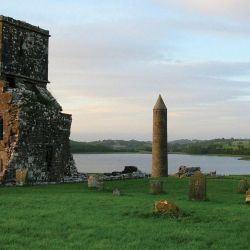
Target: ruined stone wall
(42, 146)
(35, 131)
(9, 113)
(23, 50)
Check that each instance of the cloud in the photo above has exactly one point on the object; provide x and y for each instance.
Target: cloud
(107, 44)
(196, 94)
(234, 9)
(109, 60)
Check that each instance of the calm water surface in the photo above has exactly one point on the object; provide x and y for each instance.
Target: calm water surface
(100, 163)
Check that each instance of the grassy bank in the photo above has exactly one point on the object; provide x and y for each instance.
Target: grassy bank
(246, 158)
(240, 157)
(70, 216)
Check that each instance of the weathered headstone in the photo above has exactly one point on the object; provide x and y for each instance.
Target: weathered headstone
(248, 196)
(21, 176)
(116, 192)
(100, 185)
(197, 186)
(243, 186)
(156, 187)
(165, 207)
(93, 181)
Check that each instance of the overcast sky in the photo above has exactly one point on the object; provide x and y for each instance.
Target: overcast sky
(109, 60)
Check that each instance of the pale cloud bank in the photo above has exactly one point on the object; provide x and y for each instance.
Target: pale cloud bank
(224, 8)
(109, 60)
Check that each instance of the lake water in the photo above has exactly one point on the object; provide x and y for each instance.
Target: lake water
(100, 163)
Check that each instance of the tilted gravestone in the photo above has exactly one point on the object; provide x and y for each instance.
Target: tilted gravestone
(243, 186)
(197, 186)
(156, 187)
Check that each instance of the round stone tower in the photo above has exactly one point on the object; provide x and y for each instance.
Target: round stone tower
(160, 141)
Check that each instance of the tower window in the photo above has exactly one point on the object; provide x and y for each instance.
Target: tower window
(11, 81)
(1, 128)
(49, 157)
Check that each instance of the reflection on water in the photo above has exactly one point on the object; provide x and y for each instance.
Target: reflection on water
(99, 163)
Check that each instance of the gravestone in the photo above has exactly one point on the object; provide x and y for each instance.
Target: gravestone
(100, 185)
(21, 176)
(116, 192)
(197, 186)
(156, 187)
(243, 186)
(93, 182)
(248, 196)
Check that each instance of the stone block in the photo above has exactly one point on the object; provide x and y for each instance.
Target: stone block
(21, 176)
(93, 181)
(197, 186)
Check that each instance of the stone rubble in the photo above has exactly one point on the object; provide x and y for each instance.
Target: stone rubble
(164, 207)
(184, 171)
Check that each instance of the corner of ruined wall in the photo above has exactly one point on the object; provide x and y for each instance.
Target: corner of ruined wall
(33, 123)
(44, 130)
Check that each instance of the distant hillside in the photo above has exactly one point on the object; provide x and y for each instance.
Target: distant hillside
(181, 142)
(216, 146)
(109, 146)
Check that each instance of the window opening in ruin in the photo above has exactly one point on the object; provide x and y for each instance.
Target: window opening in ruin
(1, 128)
(1, 165)
(49, 157)
(11, 81)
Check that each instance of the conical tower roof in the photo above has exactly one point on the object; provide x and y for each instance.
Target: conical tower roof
(160, 104)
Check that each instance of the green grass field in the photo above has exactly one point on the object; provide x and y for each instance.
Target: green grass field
(69, 216)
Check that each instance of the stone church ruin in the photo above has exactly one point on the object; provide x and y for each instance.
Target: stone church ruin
(34, 133)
